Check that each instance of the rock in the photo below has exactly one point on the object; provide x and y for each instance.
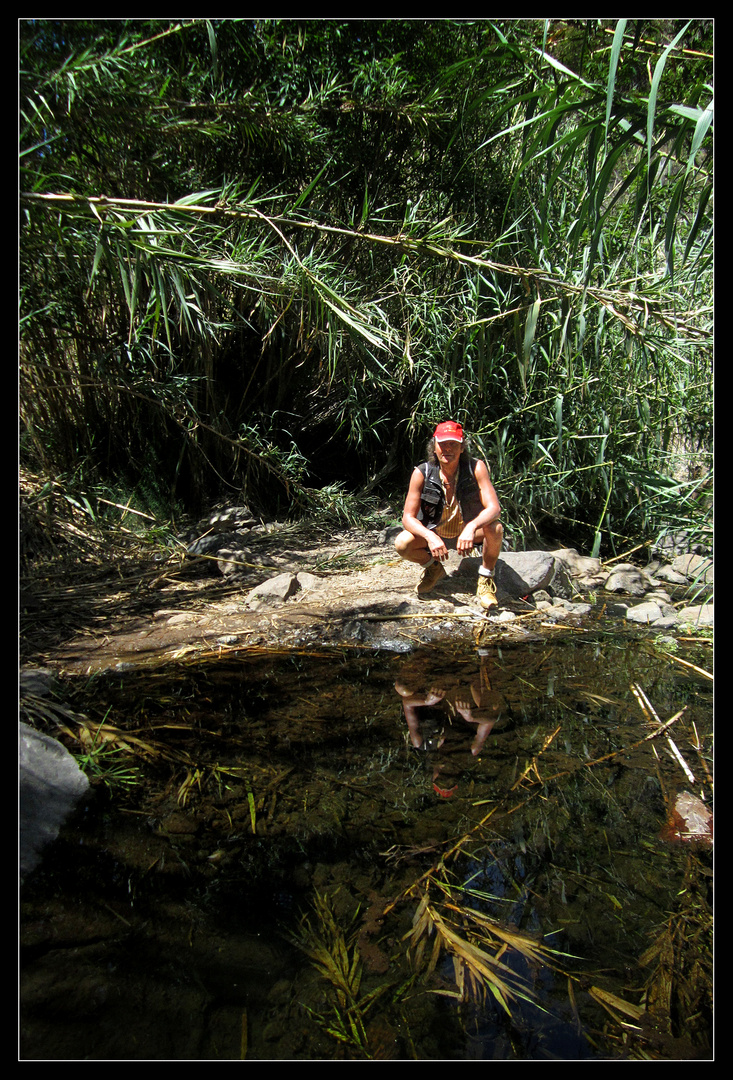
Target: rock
(308, 581)
(233, 562)
(698, 615)
(585, 571)
(503, 616)
(670, 576)
(206, 537)
(519, 573)
(689, 820)
(273, 591)
(627, 578)
(562, 584)
(51, 785)
(677, 543)
(663, 602)
(38, 681)
(647, 613)
(233, 517)
(579, 609)
(388, 535)
(184, 617)
(204, 545)
(696, 568)
(562, 608)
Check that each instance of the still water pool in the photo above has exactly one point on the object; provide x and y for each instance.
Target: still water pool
(448, 853)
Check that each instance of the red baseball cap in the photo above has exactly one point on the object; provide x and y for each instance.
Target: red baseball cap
(450, 431)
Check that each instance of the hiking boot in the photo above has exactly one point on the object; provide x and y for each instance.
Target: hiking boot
(486, 591)
(431, 575)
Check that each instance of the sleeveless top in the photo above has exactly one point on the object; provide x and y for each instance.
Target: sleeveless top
(432, 500)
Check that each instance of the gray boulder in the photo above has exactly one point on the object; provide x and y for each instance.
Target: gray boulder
(646, 613)
(670, 576)
(677, 542)
(584, 570)
(51, 785)
(213, 533)
(233, 517)
(205, 545)
(308, 581)
(389, 535)
(234, 561)
(519, 573)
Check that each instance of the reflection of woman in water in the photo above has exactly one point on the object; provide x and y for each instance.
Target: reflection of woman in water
(437, 721)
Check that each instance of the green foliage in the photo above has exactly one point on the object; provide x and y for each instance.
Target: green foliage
(268, 255)
(109, 765)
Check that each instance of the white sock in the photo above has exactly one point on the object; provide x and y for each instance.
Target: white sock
(484, 572)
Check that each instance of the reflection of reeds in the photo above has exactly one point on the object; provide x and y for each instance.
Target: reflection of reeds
(334, 953)
(679, 990)
(480, 949)
(477, 946)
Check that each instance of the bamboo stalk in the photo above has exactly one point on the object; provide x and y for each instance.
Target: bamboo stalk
(623, 554)
(632, 301)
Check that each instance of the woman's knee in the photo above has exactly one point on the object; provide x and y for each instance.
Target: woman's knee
(403, 541)
(406, 544)
(494, 533)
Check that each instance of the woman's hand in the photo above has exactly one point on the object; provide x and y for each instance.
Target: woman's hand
(437, 548)
(464, 543)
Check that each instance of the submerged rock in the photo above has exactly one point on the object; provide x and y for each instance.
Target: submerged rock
(689, 821)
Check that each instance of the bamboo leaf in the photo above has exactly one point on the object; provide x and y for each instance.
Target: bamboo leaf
(562, 69)
(618, 40)
(529, 333)
(652, 101)
(704, 120)
(614, 1004)
(697, 223)
(309, 189)
(213, 47)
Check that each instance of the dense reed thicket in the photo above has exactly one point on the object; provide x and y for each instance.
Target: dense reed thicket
(262, 258)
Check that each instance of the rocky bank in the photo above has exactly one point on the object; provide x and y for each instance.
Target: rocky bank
(239, 583)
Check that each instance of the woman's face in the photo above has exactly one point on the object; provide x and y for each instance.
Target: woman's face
(448, 452)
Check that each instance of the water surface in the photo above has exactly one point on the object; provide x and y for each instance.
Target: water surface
(299, 806)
